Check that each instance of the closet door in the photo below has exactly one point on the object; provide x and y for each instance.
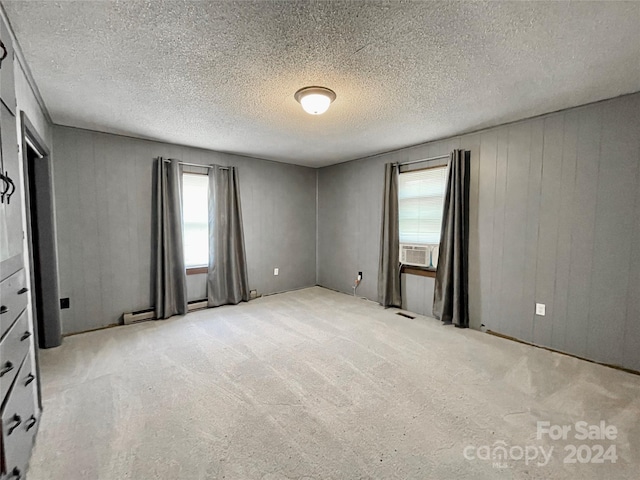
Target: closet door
(7, 91)
(10, 206)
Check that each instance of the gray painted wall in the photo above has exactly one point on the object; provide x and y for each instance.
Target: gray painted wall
(555, 219)
(103, 187)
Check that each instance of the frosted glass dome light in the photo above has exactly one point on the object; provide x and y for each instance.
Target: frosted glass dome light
(315, 100)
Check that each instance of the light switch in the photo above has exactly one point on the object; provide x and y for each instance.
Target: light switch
(540, 309)
(276, 271)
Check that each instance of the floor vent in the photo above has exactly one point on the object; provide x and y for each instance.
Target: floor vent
(406, 315)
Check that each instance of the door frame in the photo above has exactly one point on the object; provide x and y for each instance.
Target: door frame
(47, 322)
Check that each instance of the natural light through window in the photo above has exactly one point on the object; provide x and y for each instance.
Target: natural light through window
(195, 207)
(420, 202)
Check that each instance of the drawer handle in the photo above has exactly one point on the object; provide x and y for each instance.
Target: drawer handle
(16, 418)
(4, 52)
(6, 369)
(30, 378)
(23, 290)
(4, 309)
(13, 187)
(25, 336)
(15, 474)
(31, 423)
(5, 179)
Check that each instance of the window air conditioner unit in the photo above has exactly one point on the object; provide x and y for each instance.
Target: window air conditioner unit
(415, 255)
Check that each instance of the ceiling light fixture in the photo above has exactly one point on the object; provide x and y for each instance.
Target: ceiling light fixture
(315, 100)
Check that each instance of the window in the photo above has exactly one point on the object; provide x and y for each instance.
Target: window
(420, 203)
(195, 213)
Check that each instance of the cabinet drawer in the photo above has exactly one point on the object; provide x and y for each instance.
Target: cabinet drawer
(13, 300)
(13, 348)
(19, 421)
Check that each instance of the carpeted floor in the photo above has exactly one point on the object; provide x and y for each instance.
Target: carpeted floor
(315, 384)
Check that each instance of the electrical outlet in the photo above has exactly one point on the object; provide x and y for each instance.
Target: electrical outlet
(276, 271)
(64, 303)
(359, 275)
(540, 309)
(253, 294)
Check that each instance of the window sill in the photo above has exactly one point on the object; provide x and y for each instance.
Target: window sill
(197, 270)
(419, 271)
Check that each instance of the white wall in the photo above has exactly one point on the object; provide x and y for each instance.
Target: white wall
(27, 103)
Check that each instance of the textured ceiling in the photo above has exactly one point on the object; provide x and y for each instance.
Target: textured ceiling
(221, 75)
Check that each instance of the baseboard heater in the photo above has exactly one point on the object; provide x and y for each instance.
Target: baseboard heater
(150, 313)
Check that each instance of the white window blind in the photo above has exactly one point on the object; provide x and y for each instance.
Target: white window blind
(195, 213)
(420, 201)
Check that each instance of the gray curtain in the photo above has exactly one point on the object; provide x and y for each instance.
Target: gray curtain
(389, 269)
(227, 280)
(451, 295)
(171, 280)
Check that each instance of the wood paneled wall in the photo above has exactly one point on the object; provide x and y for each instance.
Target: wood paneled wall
(103, 187)
(555, 219)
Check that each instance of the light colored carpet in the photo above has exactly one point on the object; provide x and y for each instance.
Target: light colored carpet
(316, 384)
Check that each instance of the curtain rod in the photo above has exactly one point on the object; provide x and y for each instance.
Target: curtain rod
(423, 160)
(194, 164)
